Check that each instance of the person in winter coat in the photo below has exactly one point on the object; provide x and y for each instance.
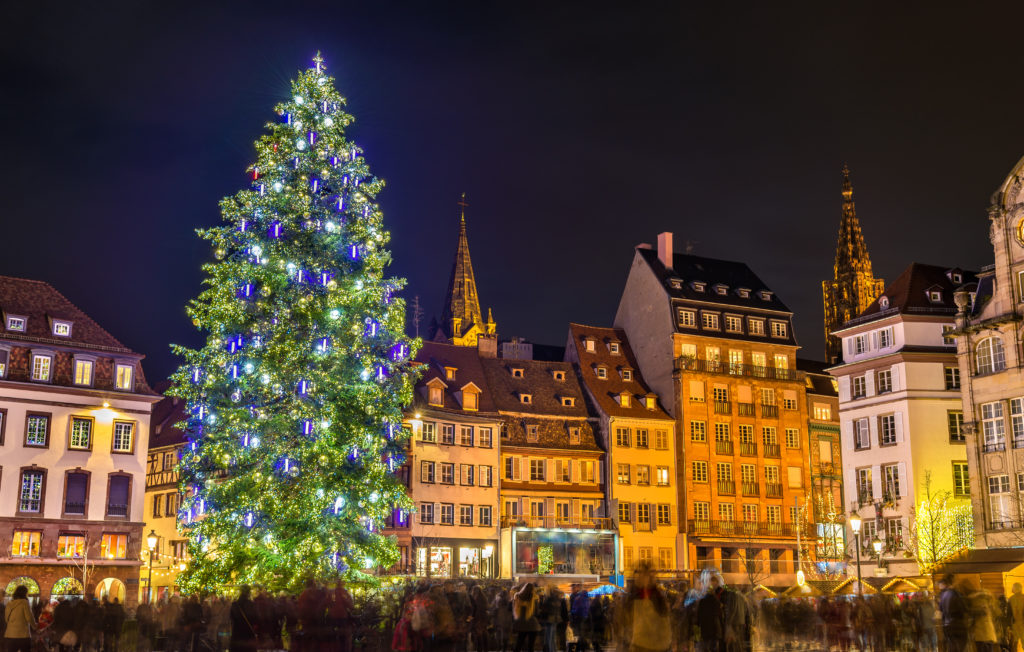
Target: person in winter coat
(18, 622)
(579, 615)
(645, 619)
(502, 614)
(981, 607)
(339, 612)
(478, 618)
(524, 615)
(954, 615)
(711, 611)
(1015, 615)
(550, 614)
(113, 623)
(243, 618)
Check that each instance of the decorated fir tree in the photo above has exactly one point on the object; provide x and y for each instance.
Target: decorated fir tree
(295, 401)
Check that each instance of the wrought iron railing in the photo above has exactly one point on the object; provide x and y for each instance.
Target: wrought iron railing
(732, 369)
(748, 448)
(772, 450)
(746, 409)
(727, 487)
(751, 488)
(723, 407)
(723, 446)
(773, 490)
(742, 528)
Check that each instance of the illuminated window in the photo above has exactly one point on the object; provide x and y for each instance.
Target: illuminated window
(779, 329)
(123, 377)
(687, 318)
(37, 430)
(26, 544)
(755, 326)
(81, 433)
(70, 546)
(83, 372)
(41, 367)
(124, 432)
(114, 546)
(989, 355)
(709, 320)
(16, 324)
(62, 328)
(664, 515)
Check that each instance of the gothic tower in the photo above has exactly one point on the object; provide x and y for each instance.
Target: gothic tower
(462, 322)
(853, 287)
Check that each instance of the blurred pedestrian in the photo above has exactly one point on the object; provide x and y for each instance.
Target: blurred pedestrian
(954, 615)
(644, 616)
(243, 615)
(525, 623)
(19, 622)
(1015, 609)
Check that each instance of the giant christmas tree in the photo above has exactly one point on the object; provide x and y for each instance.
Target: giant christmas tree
(295, 400)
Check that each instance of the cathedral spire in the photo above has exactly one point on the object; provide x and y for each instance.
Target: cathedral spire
(462, 320)
(853, 286)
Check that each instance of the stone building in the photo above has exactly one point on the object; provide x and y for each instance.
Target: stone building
(639, 439)
(900, 409)
(717, 345)
(853, 286)
(988, 344)
(462, 323)
(74, 426)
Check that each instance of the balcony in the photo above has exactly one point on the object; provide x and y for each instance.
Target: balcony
(558, 523)
(997, 447)
(750, 488)
(74, 509)
(730, 369)
(727, 487)
(748, 448)
(772, 450)
(723, 407)
(773, 490)
(742, 528)
(770, 411)
(746, 409)
(723, 446)
(827, 469)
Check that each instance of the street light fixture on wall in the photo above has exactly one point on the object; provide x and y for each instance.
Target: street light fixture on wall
(855, 523)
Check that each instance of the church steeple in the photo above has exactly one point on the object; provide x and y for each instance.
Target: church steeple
(853, 286)
(462, 321)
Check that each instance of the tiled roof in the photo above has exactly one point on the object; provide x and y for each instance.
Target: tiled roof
(538, 380)
(166, 413)
(909, 291)
(40, 302)
(712, 271)
(606, 390)
(466, 360)
(819, 378)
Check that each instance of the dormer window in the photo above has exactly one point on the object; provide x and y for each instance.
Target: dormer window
(624, 399)
(533, 433)
(449, 373)
(743, 293)
(568, 401)
(651, 401)
(517, 372)
(613, 348)
(765, 295)
(436, 396)
(935, 296)
(698, 286)
(62, 328)
(956, 277)
(883, 302)
(574, 435)
(721, 289)
(627, 374)
(15, 323)
(42, 364)
(675, 283)
(602, 372)
(526, 399)
(558, 374)
(469, 395)
(5, 359)
(588, 345)
(124, 376)
(84, 370)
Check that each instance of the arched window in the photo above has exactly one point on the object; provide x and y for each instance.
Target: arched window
(67, 586)
(989, 355)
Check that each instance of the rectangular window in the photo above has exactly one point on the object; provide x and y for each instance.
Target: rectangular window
(427, 513)
(891, 476)
(466, 474)
(26, 543)
(664, 515)
(992, 424)
(31, 492)
(661, 440)
(884, 381)
(643, 514)
(771, 474)
(427, 472)
(779, 329)
(721, 431)
(701, 511)
(123, 377)
(709, 320)
(622, 437)
(16, 324)
(792, 438)
(726, 511)
(37, 430)
(724, 471)
(533, 433)
(961, 481)
(485, 515)
(537, 470)
(448, 433)
(773, 514)
(124, 435)
(861, 434)
(485, 474)
(794, 474)
(698, 431)
(733, 324)
(700, 471)
(768, 436)
(465, 515)
(746, 433)
(767, 396)
(948, 338)
(865, 490)
(662, 477)
(562, 470)
(465, 435)
(781, 361)
(696, 391)
(1000, 501)
(952, 377)
(428, 433)
(574, 436)
(887, 429)
(885, 338)
(114, 546)
(687, 318)
(755, 326)
(41, 368)
(859, 387)
(81, 433)
(643, 474)
(447, 473)
(117, 496)
(484, 437)
(172, 502)
(83, 372)
(76, 489)
(860, 344)
(624, 514)
(622, 473)
(158, 505)
(1017, 422)
(955, 425)
(447, 514)
(822, 412)
(750, 513)
(587, 471)
(641, 438)
(70, 546)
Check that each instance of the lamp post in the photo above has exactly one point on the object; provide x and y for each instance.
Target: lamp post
(876, 543)
(855, 523)
(151, 541)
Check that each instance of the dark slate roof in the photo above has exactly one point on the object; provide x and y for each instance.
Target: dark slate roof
(908, 292)
(166, 413)
(606, 390)
(548, 352)
(466, 360)
(818, 377)
(538, 380)
(712, 271)
(40, 302)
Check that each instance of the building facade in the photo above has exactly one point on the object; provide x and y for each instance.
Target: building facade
(900, 410)
(853, 286)
(163, 498)
(74, 425)
(454, 460)
(988, 344)
(714, 340)
(554, 519)
(639, 439)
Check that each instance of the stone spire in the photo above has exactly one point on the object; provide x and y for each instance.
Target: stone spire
(853, 286)
(462, 320)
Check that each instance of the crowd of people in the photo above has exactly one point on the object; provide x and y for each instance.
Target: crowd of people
(459, 616)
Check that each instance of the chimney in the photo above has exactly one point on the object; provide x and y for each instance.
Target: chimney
(665, 249)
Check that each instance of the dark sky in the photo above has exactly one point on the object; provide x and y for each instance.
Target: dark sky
(577, 131)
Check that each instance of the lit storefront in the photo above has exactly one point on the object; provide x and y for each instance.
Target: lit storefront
(443, 558)
(576, 553)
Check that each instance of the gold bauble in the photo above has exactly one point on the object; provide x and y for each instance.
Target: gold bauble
(219, 253)
(265, 290)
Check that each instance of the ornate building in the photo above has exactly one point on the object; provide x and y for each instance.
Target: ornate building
(162, 498)
(462, 322)
(853, 286)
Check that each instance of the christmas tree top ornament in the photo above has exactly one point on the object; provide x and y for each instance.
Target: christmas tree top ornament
(294, 397)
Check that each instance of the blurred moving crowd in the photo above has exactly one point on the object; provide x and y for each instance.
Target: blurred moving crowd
(458, 616)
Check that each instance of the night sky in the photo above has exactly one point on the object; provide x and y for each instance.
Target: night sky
(577, 131)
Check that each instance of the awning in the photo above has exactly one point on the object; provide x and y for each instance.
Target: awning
(983, 560)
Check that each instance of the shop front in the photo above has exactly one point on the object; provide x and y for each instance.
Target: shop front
(456, 558)
(571, 553)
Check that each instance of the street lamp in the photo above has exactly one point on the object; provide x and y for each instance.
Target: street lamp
(151, 541)
(876, 543)
(855, 523)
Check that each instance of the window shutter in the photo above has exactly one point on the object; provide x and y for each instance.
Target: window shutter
(851, 429)
(437, 513)
(876, 481)
(599, 472)
(549, 511)
(874, 340)
(898, 418)
(652, 509)
(895, 376)
(517, 468)
(901, 469)
(632, 515)
(849, 345)
(549, 466)
(575, 510)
